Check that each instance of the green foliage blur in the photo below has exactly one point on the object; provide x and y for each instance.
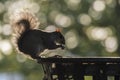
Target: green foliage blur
(91, 28)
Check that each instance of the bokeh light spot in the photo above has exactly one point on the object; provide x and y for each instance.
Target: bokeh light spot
(98, 33)
(99, 5)
(71, 39)
(6, 30)
(5, 47)
(63, 20)
(94, 14)
(111, 44)
(84, 19)
(50, 28)
(24, 4)
(73, 4)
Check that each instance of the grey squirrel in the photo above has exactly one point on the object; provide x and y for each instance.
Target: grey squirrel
(32, 41)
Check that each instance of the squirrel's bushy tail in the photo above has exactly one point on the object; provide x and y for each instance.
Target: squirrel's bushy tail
(23, 21)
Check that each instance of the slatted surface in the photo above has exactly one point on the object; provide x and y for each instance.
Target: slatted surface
(80, 68)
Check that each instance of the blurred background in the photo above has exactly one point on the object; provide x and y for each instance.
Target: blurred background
(91, 28)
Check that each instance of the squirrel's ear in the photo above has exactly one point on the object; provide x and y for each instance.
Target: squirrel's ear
(58, 30)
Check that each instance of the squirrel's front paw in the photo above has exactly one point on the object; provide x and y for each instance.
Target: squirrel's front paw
(62, 46)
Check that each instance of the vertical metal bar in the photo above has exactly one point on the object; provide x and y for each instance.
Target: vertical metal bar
(78, 71)
(103, 71)
(100, 72)
(100, 77)
(60, 71)
(117, 78)
(47, 73)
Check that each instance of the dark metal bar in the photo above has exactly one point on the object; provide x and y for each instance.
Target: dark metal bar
(77, 68)
(78, 72)
(117, 77)
(81, 60)
(99, 77)
(46, 68)
(60, 72)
